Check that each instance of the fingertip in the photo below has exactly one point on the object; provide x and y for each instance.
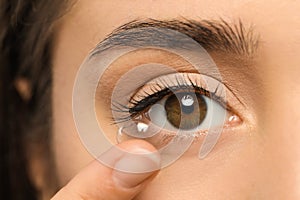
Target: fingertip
(140, 162)
(137, 144)
(132, 165)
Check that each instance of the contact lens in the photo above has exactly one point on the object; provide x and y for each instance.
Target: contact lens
(141, 128)
(148, 126)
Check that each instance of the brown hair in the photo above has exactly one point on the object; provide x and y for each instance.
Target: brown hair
(26, 34)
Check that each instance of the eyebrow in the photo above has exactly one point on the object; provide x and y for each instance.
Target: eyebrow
(212, 35)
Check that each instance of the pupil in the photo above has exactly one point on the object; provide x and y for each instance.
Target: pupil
(185, 110)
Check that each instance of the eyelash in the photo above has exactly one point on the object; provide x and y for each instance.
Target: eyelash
(159, 92)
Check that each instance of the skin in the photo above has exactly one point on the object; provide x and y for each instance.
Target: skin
(259, 159)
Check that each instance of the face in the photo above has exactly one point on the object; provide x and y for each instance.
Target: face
(257, 156)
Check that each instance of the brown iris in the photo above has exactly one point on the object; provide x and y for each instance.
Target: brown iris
(185, 110)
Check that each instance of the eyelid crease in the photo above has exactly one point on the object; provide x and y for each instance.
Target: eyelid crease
(172, 81)
(159, 95)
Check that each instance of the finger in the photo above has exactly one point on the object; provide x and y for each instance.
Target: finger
(100, 182)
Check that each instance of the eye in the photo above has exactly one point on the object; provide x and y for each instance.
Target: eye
(185, 102)
(188, 111)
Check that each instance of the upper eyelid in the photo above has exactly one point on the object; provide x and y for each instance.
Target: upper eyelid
(186, 81)
(175, 79)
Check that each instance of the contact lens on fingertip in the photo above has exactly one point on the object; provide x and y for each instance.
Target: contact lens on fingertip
(120, 137)
(140, 128)
(168, 145)
(123, 135)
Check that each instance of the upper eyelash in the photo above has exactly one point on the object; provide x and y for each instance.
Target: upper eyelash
(158, 94)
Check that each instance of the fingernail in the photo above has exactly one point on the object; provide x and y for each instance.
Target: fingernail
(135, 167)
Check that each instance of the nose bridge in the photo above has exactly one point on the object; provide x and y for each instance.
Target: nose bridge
(280, 131)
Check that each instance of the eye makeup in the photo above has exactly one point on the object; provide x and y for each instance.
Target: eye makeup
(190, 102)
(166, 85)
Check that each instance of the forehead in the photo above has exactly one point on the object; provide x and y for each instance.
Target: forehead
(89, 21)
(277, 22)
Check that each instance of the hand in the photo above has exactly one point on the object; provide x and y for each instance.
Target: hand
(97, 181)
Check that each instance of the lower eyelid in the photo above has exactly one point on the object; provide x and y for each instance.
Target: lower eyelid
(162, 138)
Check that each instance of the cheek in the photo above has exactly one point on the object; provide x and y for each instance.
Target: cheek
(69, 153)
(230, 171)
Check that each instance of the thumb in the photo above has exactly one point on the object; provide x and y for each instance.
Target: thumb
(97, 181)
